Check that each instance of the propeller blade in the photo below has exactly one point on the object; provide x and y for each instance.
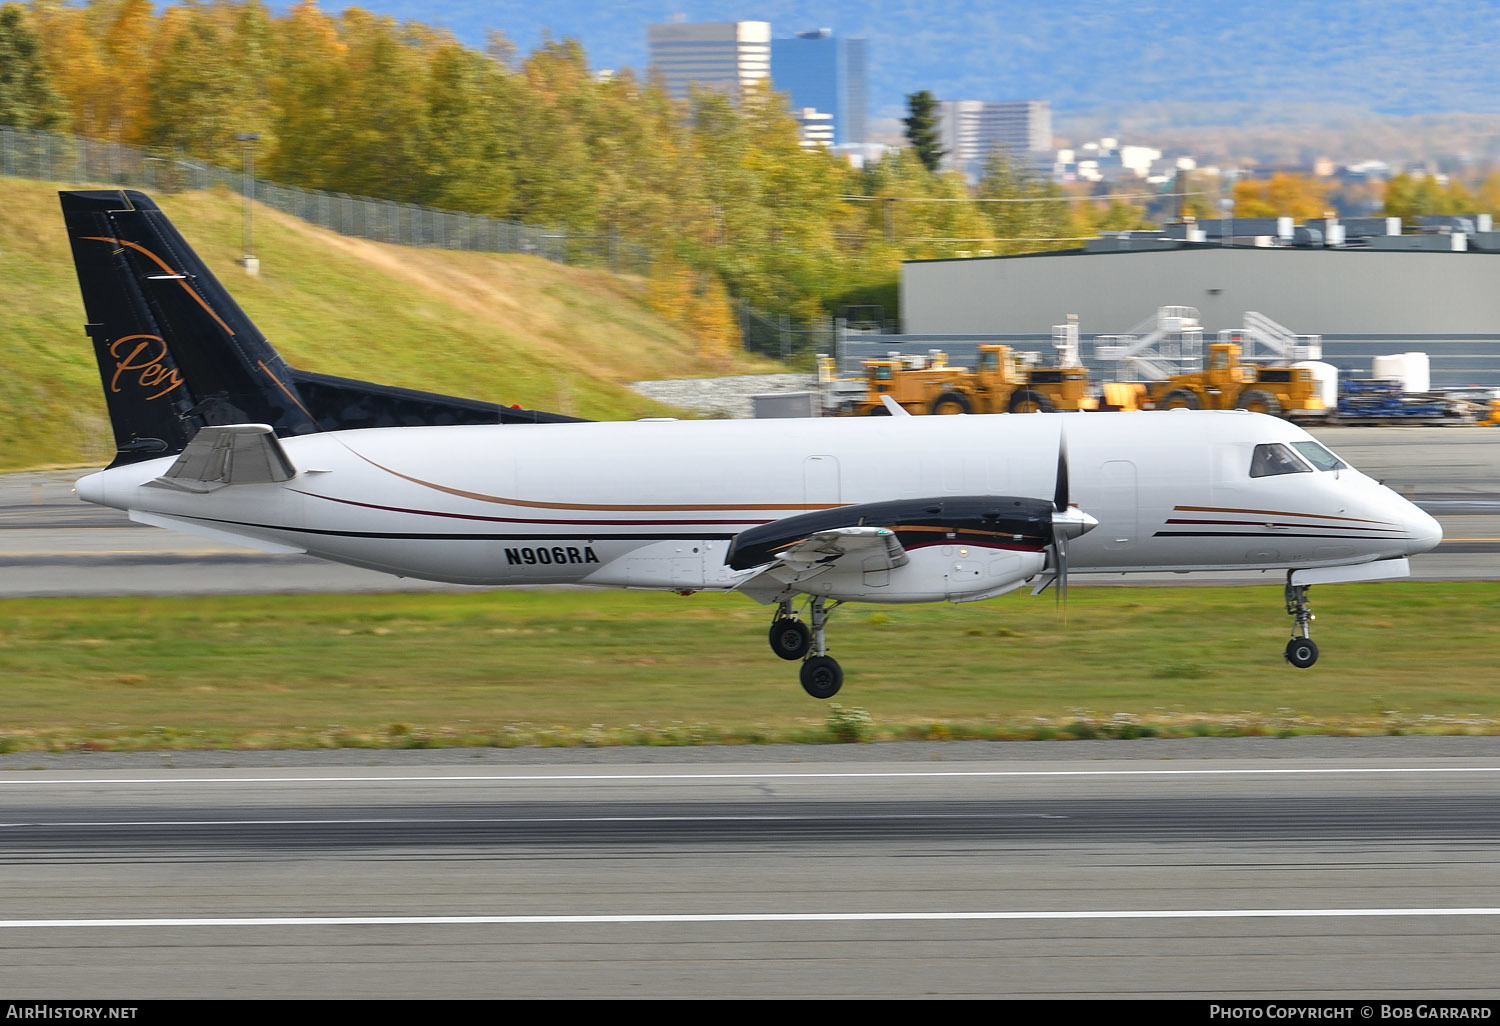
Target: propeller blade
(1060, 492)
(1059, 531)
(1060, 560)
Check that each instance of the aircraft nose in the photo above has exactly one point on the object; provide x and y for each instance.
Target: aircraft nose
(1423, 532)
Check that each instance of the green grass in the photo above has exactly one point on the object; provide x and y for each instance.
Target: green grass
(503, 328)
(569, 668)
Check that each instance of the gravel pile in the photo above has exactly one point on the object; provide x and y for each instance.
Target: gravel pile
(723, 397)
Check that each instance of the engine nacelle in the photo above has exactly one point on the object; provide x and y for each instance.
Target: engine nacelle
(935, 573)
(952, 547)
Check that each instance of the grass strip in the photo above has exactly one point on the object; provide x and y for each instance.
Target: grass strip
(616, 668)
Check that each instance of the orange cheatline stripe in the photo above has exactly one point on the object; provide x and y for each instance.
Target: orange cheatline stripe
(164, 266)
(480, 496)
(1271, 513)
(289, 394)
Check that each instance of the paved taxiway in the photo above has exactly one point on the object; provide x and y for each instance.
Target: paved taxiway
(53, 544)
(1252, 868)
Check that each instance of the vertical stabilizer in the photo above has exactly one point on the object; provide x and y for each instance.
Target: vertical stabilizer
(177, 354)
(175, 350)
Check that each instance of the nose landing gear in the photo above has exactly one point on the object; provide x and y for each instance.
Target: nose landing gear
(1301, 651)
(792, 639)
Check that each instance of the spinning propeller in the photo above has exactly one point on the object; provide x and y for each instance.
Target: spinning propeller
(1067, 522)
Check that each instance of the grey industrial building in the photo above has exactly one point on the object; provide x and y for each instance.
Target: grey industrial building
(1375, 291)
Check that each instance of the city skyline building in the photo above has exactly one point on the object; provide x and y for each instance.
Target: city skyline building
(970, 130)
(826, 73)
(729, 56)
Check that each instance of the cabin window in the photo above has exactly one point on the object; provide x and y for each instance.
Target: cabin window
(1273, 458)
(1318, 456)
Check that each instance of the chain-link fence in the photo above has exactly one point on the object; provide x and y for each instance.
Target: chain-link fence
(781, 338)
(54, 157)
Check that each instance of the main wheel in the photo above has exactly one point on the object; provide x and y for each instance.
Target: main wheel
(1258, 400)
(822, 677)
(1029, 401)
(951, 403)
(1181, 399)
(790, 638)
(1301, 652)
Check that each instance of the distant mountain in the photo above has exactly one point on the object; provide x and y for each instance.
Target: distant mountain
(1381, 56)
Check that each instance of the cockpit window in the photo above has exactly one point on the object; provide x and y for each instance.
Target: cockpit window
(1318, 456)
(1273, 458)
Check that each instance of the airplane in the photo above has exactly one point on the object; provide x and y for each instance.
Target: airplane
(218, 436)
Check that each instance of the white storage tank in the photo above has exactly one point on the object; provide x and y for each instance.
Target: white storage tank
(1411, 369)
(1327, 377)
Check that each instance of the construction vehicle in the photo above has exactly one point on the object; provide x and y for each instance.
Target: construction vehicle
(1001, 383)
(1169, 357)
(1229, 384)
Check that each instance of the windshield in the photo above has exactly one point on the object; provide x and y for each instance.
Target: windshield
(1318, 456)
(1273, 458)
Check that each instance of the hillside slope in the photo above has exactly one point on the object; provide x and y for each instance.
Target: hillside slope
(504, 328)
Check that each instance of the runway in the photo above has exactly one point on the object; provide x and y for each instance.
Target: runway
(1205, 868)
(53, 544)
(1220, 868)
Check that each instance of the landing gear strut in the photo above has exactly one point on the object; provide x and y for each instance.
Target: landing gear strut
(1301, 651)
(792, 639)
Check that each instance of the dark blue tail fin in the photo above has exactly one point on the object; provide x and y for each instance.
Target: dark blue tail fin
(176, 352)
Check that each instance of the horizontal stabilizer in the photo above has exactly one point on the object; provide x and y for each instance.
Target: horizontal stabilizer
(218, 534)
(232, 454)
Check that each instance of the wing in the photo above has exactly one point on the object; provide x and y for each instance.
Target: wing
(873, 548)
(852, 548)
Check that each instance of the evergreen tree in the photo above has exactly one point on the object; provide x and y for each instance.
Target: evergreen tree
(922, 128)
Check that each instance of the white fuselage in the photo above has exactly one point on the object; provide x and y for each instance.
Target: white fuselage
(654, 504)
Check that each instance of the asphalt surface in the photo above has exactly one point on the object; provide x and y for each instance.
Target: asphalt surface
(1204, 868)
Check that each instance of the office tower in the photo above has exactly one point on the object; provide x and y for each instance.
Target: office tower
(730, 56)
(971, 129)
(825, 73)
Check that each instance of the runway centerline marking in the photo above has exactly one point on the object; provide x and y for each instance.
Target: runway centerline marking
(748, 917)
(778, 775)
(524, 820)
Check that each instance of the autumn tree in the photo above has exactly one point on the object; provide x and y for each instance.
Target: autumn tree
(1410, 197)
(1023, 207)
(27, 97)
(1282, 195)
(209, 81)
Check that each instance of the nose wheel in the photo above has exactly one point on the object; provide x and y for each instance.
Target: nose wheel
(792, 639)
(1301, 651)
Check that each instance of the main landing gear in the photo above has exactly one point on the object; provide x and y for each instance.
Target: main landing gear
(792, 639)
(1301, 651)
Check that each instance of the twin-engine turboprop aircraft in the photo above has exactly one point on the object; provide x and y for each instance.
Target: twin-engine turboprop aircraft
(218, 436)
